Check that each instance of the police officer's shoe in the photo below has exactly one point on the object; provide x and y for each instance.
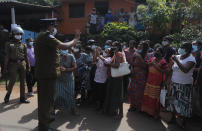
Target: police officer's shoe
(6, 98)
(23, 100)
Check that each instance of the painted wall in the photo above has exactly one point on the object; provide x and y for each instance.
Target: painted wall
(69, 25)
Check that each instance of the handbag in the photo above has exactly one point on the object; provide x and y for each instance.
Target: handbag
(122, 70)
(163, 96)
(163, 93)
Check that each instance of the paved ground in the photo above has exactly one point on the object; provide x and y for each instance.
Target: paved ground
(23, 117)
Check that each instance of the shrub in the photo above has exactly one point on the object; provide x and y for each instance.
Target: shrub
(121, 32)
(188, 33)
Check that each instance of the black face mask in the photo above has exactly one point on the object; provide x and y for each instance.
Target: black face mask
(157, 55)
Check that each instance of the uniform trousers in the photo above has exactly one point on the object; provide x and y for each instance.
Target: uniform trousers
(14, 69)
(46, 93)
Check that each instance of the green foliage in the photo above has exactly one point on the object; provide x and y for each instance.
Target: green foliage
(121, 32)
(196, 6)
(188, 33)
(38, 2)
(156, 15)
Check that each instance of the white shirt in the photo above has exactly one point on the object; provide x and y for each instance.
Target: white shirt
(101, 71)
(93, 19)
(181, 77)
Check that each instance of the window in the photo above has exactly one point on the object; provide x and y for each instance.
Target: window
(76, 10)
(101, 7)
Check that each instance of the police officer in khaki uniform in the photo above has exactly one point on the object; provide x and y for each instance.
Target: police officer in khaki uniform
(15, 63)
(46, 48)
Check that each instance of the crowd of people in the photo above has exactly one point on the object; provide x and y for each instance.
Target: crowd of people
(96, 22)
(64, 71)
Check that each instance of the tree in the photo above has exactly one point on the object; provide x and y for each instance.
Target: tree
(156, 15)
(196, 6)
(39, 2)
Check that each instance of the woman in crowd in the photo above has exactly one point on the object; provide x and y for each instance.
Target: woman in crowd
(180, 95)
(138, 77)
(65, 96)
(156, 74)
(114, 95)
(100, 78)
(83, 60)
(196, 52)
(199, 72)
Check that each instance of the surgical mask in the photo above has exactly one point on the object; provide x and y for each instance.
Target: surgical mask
(107, 47)
(181, 51)
(54, 31)
(195, 48)
(165, 43)
(139, 51)
(31, 43)
(18, 37)
(93, 47)
(76, 50)
(104, 54)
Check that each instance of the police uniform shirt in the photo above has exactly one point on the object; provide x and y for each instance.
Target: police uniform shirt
(47, 56)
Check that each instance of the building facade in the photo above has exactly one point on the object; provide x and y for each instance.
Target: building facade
(73, 14)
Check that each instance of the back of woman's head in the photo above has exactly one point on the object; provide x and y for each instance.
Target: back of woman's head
(117, 45)
(145, 46)
(160, 50)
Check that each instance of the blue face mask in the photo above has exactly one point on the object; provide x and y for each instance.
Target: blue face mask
(31, 43)
(54, 31)
(195, 48)
(181, 51)
(107, 47)
(139, 51)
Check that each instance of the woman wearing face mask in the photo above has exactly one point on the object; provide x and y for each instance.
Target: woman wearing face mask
(100, 78)
(64, 97)
(114, 95)
(138, 76)
(84, 61)
(196, 52)
(156, 74)
(180, 95)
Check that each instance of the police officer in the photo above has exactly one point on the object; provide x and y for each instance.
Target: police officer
(15, 63)
(46, 48)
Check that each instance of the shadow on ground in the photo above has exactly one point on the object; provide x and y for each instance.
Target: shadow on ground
(12, 104)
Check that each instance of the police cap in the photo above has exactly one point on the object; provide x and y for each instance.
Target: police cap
(49, 21)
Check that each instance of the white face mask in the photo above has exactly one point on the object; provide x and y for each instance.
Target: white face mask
(18, 37)
(31, 43)
(76, 50)
(165, 43)
(54, 31)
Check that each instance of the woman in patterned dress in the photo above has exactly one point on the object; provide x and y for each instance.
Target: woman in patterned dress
(180, 96)
(65, 96)
(151, 97)
(138, 77)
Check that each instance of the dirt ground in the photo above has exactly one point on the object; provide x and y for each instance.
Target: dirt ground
(23, 117)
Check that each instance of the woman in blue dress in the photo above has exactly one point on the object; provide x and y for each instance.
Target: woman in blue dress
(65, 95)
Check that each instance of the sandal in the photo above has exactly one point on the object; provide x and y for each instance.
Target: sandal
(180, 122)
(166, 116)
